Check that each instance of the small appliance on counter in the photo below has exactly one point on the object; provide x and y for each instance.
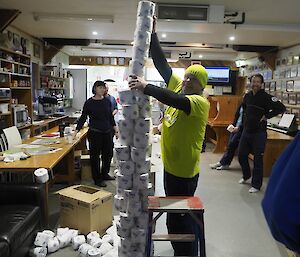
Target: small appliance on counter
(20, 115)
(5, 93)
(47, 106)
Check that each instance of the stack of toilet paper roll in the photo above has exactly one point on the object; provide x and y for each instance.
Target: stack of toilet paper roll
(142, 37)
(134, 149)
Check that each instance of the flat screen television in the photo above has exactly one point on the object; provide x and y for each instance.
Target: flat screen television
(218, 74)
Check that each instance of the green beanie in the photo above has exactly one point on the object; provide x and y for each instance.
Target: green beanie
(199, 72)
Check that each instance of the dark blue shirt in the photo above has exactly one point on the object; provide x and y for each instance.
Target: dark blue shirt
(100, 115)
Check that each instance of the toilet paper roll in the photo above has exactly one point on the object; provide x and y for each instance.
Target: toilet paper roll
(92, 235)
(130, 111)
(122, 252)
(141, 98)
(125, 125)
(77, 241)
(138, 154)
(94, 253)
(139, 235)
(140, 140)
(137, 68)
(142, 221)
(126, 97)
(126, 221)
(122, 152)
(38, 252)
(142, 39)
(84, 248)
(117, 241)
(41, 175)
(50, 233)
(144, 23)
(61, 231)
(143, 166)
(73, 232)
(139, 53)
(96, 242)
(142, 125)
(42, 239)
(107, 239)
(120, 203)
(145, 111)
(141, 181)
(126, 138)
(138, 249)
(105, 248)
(53, 245)
(124, 182)
(64, 240)
(126, 244)
(134, 208)
(126, 168)
(122, 232)
(146, 8)
(131, 194)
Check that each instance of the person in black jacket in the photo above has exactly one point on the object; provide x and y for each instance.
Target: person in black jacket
(101, 121)
(258, 107)
(233, 142)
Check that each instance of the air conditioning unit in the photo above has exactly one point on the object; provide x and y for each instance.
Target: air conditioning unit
(193, 13)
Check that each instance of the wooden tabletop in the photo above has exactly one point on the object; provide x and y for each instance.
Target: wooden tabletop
(47, 161)
(274, 135)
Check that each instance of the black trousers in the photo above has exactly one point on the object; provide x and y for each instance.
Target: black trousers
(181, 223)
(233, 144)
(100, 143)
(253, 143)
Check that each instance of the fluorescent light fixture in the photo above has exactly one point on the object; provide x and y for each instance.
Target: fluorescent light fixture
(95, 33)
(231, 38)
(72, 17)
(110, 53)
(163, 35)
(108, 50)
(200, 56)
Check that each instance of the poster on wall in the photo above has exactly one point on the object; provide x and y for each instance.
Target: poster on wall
(36, 50)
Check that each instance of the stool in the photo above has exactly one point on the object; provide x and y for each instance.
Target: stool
(176, 204)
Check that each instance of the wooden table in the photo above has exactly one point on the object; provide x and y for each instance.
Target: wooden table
(216, 132)
(46, 124)
(51, 160)
(276, 143)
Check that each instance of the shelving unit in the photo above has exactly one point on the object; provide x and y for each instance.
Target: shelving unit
(15, 73)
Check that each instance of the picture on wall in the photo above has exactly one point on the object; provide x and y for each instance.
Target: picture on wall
(267, 86)
(285, 98)
(290, 86)
(272, 86)
(297, 86)
(36, 50)
(294, 72)
(99, 60)
(292, 98)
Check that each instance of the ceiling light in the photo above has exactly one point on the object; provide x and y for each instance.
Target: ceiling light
(200, 56)
(164, 35)
(231, 38)
(132, 42)
(72, 17)
(95, 33)
(110, 53)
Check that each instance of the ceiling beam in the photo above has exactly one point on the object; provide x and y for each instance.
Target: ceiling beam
(7, 16)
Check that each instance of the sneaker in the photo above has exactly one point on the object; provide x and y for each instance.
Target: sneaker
(223, 167)
(253, 190)
(243, 181)
(215, 165)
(100, 184)
(108, 177)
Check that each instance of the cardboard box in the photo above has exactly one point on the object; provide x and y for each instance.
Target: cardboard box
(85, 208)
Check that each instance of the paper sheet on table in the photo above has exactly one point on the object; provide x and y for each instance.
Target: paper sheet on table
(48, 141)
(49, 135)
(34, 151)
(26, 146)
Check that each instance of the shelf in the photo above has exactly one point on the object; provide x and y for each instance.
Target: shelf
(13, 62)
(15, 74)
(18, 88)
(4, 114)
(293, 78)
(52, 77)
(14, 52)
(56, 88)
(4, 99)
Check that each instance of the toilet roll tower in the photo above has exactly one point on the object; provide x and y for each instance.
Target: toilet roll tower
(134, 151)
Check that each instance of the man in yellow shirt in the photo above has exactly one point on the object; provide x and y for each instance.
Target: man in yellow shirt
(183, 132)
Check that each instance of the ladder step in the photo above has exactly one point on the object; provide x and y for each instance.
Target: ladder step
(174, 237)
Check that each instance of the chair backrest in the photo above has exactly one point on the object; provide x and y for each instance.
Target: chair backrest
(12, 136)
(3, 143)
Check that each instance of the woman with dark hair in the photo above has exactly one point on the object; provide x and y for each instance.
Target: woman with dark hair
(101, 120)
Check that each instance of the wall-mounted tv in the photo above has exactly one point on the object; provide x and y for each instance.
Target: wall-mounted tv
(218, 74)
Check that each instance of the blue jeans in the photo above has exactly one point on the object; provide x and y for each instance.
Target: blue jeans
(252, 143)
(233, 144)
(181, 223)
